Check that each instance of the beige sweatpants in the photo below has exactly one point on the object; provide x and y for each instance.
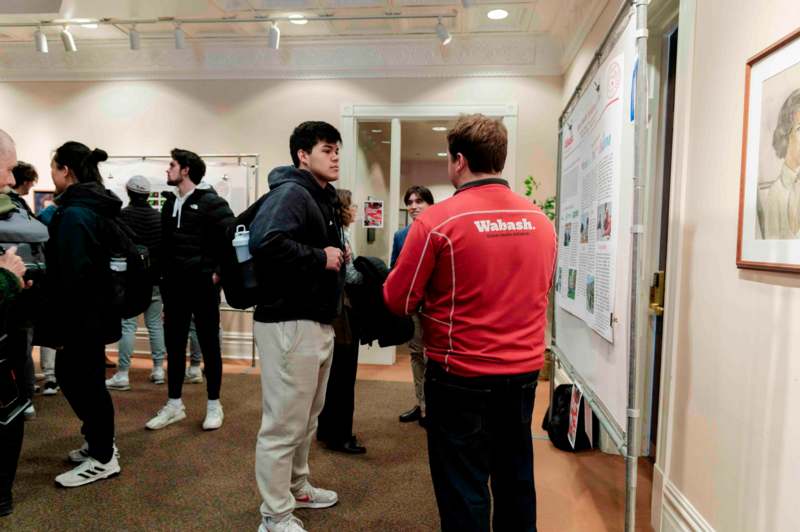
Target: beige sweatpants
(295, 362)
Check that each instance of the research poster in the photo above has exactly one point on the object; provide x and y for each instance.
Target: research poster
(590, 192)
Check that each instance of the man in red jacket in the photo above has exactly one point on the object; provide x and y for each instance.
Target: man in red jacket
(478, 267)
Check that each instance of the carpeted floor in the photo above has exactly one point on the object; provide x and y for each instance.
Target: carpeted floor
(182, 478)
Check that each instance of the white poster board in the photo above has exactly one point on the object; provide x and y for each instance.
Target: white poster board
(229, 178)
(595, 209)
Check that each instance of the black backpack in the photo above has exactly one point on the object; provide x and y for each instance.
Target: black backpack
(131, 285)
(556, 421)
(232, 278)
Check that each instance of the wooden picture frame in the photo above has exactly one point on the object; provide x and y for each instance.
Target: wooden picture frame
(769, 191)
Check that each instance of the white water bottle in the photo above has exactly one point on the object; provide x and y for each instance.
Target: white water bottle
(241, 243)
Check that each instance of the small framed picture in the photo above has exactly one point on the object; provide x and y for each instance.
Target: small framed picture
(373, 214)
(42, 199)
(769, 196)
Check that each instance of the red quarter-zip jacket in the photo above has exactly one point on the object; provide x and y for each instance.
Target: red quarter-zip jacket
(479, 265)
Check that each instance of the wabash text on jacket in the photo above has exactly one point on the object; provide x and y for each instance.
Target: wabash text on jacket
(480, 265)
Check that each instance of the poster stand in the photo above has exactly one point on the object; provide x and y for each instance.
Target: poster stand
(251, 192)
(625, 440)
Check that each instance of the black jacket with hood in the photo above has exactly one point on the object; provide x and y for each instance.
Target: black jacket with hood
(78, 274)
(193, 239)
(296, 222)
(145, 221)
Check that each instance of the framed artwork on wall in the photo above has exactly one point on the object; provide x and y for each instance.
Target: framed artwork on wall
(42, 199)
(769, 196)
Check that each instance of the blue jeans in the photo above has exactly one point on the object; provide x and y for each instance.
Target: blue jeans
(155, 330)
(479, 434)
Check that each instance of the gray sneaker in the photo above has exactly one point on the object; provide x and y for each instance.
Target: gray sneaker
(193, 375)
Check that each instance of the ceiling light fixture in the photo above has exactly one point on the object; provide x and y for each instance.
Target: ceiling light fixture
(442, 154)
(386, 142)
(40, 40)
(376, 130)
(274, 36)
(298, 19)
(439, 128)
(180, 37)
(68, 40)
(443, 34)
(497, 14)
(135, 38)
(467, 3)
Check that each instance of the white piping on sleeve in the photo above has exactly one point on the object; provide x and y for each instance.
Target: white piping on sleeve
(453, 292)
(416, 272)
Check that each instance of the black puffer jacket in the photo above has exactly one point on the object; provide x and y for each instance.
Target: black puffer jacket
(196, 245)
(145, 221)
(295, 223)
(78, 274)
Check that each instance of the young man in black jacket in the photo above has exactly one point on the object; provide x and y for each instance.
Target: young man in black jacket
(296, 242)
(193, 224)
(145, 221)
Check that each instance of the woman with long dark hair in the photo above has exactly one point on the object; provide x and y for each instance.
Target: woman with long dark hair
(78, 283)
(335, 427)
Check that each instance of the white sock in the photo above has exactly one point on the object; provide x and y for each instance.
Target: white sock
(214, 403)
(175, 403)
(123, 372)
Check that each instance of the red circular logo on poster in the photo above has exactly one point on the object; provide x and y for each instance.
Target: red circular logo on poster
(614, 78)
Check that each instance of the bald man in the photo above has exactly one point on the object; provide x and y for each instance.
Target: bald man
(12, 432)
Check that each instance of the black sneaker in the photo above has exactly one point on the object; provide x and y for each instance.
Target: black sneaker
(50, 388)
(6, 506)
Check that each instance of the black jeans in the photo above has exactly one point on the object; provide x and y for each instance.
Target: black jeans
(183, 297)
(479, 432)
(81, 374)
(10, 447)
(336, 419)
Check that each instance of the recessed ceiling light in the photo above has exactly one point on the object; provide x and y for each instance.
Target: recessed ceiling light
(442, 154)
(497, 14)
(439, 128)
(89, 26)
(298, 19)
(376, 130)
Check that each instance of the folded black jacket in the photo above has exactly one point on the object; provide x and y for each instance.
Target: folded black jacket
(374, 319)
(296, 221)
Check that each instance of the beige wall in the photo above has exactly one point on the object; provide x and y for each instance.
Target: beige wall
(734, 444)
(252, 116)
(731, 444)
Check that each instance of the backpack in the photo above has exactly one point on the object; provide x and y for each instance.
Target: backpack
(232, 273)
(131, 272)
(556, 421)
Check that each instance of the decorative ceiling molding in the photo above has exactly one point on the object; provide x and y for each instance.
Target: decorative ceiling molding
(248, 58)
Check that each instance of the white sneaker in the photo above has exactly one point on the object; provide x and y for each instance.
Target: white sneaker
(29, 413)
(157, 375)
(119, 381)
(79, 456)
(50, 388)
(288, 524)
(89, 471)
(310, 497)
(214, 417)
(166, 416)
(193, 375)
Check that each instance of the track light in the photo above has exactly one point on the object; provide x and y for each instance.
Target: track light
(40, 39)
(68, 40)
(180, 37)
(274, 36)
(443, 34)
(135, 38)
(467, 3)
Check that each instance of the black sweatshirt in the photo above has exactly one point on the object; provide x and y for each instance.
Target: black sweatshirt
(296, 221)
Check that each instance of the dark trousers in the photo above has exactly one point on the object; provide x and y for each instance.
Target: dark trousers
(18, 343)
(479, 433)
(336, 419)
(81, 373)
(183, 297)
(10, 447)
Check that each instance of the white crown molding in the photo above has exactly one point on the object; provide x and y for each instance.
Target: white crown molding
(236, 58)
(678, 514)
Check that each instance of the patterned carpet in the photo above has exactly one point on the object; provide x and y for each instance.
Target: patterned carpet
(182, 478)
